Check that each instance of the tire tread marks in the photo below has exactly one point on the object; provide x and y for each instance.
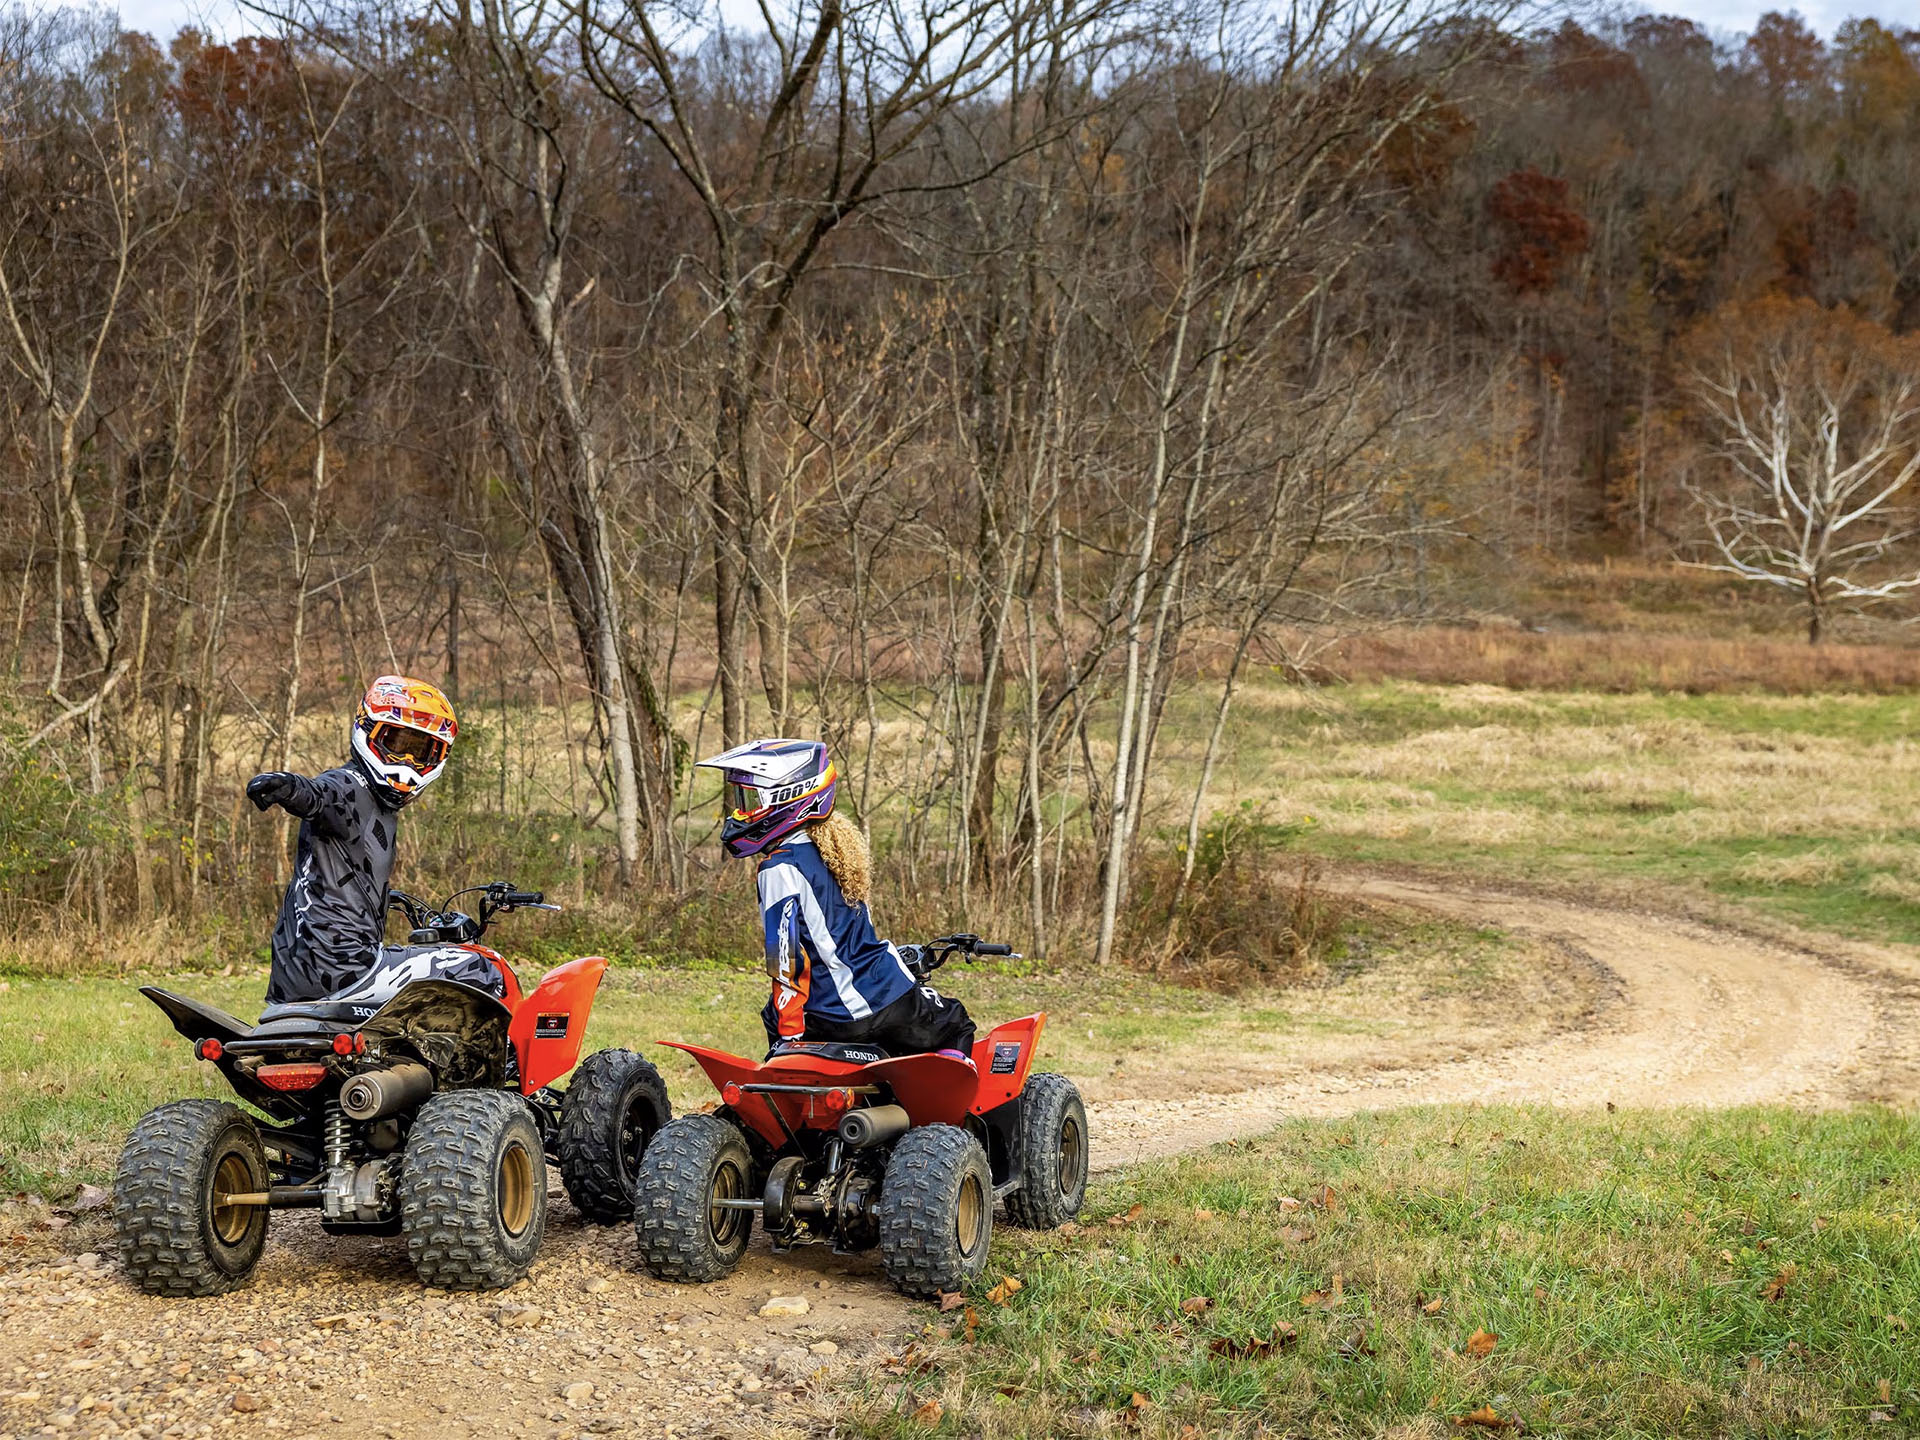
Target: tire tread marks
(165, 1237)
(448, 1211)
(919, 1250)
(591, 1111)
(1046, 1101)
(671, 1213)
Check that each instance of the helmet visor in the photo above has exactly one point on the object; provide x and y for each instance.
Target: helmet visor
(743, 801)
(404, 745)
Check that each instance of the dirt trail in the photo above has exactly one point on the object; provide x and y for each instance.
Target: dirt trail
(1695, 1015)
(335, 1338)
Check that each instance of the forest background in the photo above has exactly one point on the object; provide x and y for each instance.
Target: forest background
(995, 390)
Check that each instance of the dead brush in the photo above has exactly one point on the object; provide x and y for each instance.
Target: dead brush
(1247, 915)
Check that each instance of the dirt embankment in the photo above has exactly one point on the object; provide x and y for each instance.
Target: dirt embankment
(335, 1339)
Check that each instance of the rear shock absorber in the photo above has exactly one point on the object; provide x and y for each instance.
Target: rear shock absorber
(336, 1136)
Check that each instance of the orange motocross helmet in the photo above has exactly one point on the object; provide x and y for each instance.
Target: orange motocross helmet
(403, 733)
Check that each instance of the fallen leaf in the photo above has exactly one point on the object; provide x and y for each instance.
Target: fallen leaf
(1295, 1234)
(1898, 1322)
(1287, 1202)
(1879, 1417)
(1726, 1257)
(1777, 1287)
(1611, 1107)
(1196, 1305)
(1327, 1200)
(91, 1197)
(1434, 1306)
(1005, 1290)
(1886, 1392)
(1487, 1418)
(1819, 1223)
(1069, 1229)
(1255, 1347)
(1199, 1214)
(1138, 1403)
(1355, 1346)
(1481, 1343)
(929, 1414)
(1133, 1213)
(951, 1300)
(1687, 1217)
(1313, 1297)
(1539, 1295)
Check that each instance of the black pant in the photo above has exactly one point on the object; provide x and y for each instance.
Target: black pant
(920, 1021)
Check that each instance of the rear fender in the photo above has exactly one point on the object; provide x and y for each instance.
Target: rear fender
(1003, 1059)
(801, 1112)
(550, 1024)
(934, 1089)
(196, 1022)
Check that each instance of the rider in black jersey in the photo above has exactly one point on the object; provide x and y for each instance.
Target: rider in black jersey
(327, 944)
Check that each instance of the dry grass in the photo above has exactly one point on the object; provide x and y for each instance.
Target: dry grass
(1617, 663)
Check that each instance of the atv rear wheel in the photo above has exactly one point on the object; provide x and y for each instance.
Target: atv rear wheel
(613, 1107)
(936, 1211)
(684, 1234)
(473, 1190)
(180, 1234)
(1053, 1154)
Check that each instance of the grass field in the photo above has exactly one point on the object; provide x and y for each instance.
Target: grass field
(1802, 806)
(1447, 1272)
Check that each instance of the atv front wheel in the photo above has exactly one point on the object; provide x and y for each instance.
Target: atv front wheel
(180, 1231)
(684, 1230)
(1053, 1154)
(936, 1211)
(611, 1110)
(473, 1190)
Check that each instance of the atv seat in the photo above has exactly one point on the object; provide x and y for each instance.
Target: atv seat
(301, 1015)
(847, 1052)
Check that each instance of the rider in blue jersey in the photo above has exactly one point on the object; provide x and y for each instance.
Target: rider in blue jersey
(833, 977)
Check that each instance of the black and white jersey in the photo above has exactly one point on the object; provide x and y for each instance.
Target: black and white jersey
(335, 911)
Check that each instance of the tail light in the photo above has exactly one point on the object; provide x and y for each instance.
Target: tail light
(838, 1102)
(354, 1044)
(731, 1092)
(291, 1077)
(209, 1049)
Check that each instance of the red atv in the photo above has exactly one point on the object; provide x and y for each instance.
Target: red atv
(840, 1143)
(426, 1116)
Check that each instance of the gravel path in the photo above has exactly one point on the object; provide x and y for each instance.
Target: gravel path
(335, 1338)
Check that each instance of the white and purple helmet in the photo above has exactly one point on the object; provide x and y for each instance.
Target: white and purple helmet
(773, 788)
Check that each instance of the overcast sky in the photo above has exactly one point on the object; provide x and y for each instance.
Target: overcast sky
(162, 18)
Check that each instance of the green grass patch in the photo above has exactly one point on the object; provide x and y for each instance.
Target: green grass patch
(1748, 1272)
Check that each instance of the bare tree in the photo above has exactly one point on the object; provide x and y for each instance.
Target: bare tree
(1815, 415)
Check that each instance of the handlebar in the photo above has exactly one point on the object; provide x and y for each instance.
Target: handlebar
(446, 924)
(935, 953)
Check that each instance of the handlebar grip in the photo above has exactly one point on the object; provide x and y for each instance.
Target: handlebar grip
(526, 897)
(987, 947)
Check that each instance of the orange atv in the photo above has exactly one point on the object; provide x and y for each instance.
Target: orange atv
(842, 1144)
(427, 1116)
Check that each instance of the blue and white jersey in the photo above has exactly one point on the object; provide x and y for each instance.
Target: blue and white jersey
(822, 954)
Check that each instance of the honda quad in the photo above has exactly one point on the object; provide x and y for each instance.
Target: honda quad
(409, 1105)
(843, 1144)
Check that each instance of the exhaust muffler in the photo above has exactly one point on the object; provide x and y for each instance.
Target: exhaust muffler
(874, 1125)
(377, 1094)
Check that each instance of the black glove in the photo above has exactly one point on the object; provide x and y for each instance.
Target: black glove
(273, 788)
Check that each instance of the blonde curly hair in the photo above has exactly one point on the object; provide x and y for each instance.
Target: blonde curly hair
(844, 849)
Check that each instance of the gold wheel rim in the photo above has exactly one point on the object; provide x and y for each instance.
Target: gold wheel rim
(723, 1222)
(1069, 1155)
(233, 1176)
(968, 1213)
(515, 1182)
